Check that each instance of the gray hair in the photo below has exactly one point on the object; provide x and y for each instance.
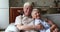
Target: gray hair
(28, 3)
(34, 10)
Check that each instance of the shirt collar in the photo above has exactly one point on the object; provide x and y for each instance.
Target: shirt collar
(26, 16)
(23, 15)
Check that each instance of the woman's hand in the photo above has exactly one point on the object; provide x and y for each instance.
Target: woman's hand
(38, 27)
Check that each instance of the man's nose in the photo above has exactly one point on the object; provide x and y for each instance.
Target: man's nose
(28, 9)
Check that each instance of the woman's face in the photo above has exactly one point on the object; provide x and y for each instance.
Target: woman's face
(36, 14)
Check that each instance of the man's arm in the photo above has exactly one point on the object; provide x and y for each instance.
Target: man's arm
(25, 27)
(31, 27)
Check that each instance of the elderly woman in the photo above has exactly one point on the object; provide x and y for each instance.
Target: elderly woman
(47, 25)
(38, 21)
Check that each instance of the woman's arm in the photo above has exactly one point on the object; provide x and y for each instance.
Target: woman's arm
(53, 25)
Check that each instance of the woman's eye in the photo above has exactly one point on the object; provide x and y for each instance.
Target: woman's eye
(36, 14)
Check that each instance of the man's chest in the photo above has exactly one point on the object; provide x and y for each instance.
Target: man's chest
(26, 21)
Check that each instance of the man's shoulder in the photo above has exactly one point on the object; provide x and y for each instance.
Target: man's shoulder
(19, 16)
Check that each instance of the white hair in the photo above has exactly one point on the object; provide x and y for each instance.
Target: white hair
(28, 3)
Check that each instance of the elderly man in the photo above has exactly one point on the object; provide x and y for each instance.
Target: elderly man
(22, 21)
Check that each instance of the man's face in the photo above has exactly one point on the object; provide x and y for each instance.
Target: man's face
(27, 10)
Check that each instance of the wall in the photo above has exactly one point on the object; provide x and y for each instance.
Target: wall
(4, 13)
(15, 3)
(19, 3)
(42, 2)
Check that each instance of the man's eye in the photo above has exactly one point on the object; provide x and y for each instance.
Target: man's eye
(35, 13)
(27, 8)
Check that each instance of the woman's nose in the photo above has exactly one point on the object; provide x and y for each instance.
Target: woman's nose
(37, 14)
